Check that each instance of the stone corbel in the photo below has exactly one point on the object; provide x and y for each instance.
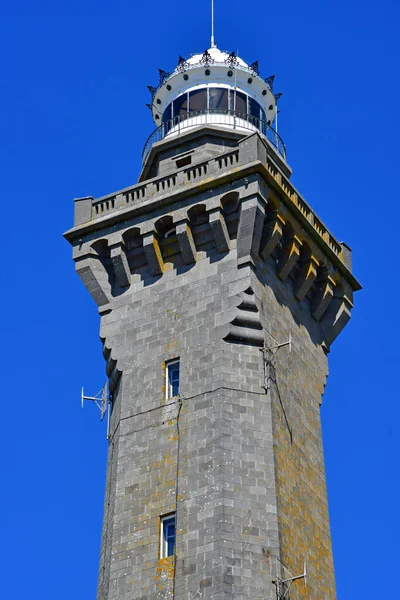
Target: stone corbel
(186, 242)
(119, 260)
(219, 230)
(322, 297)
(305, 277)
(271, 235)
(336, 317)
(251, 222)
(153, 253)
(289, 256)
(94, 277)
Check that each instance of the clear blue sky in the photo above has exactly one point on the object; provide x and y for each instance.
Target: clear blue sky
(72, 123)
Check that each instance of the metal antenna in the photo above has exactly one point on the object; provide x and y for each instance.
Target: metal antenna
(103, 401)
(269, 353)
(283, 584)
(212, 25)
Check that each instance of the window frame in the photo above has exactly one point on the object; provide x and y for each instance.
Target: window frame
(169, 395)
(164, 541)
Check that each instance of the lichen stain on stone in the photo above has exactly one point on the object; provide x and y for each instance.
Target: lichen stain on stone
(168, 266)
(205, 181)
(165, 569)
(172, 345)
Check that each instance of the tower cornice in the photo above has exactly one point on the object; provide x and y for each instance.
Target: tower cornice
(253, 156)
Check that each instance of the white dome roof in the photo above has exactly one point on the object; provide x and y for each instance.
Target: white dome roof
(217, 55)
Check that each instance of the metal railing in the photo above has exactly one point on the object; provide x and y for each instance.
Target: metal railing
(230, 118)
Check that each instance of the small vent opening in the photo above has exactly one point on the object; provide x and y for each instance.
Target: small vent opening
(184, 162)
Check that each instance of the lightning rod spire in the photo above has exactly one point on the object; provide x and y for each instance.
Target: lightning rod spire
(212, 25)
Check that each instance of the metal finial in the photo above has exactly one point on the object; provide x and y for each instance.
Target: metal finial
(206, 59)
(152, 89)
(270, 81)
(163, 75)
(254, 67)
(232, 60)
(182, 64)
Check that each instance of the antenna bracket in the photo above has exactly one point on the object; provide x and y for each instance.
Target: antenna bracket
(103, 402)
(269, 353)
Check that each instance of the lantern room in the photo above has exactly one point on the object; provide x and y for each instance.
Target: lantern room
(214, 88)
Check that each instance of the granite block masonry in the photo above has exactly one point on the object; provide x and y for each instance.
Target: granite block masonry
(214, 264)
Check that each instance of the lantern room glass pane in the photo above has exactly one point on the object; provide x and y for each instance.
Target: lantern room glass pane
(254, 112)
(264, 122)
(198, 100)
(254, 108)
(239, 103)
(218, 99)
(167, 114)
(181, 106)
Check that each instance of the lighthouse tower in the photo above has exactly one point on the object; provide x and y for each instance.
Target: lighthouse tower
(220, 293)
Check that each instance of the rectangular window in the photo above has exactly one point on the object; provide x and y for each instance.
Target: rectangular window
(167, 535)
(172, 387)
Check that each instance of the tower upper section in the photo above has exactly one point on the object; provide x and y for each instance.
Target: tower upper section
(215, 88)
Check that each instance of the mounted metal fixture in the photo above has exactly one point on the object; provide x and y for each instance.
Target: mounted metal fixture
(269, 353)
(232, 60)
(206, 60)
(103, 402)
(163, 75)
(284, 584)
(182, 64)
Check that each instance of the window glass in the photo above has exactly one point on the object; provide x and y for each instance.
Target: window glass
(181, 106)
(240, 103)
(264, 122)
(172, 379)
(198, 100)
(254, 108)
(264, 118)
(218, 99)
(168, 535)
(167, 114)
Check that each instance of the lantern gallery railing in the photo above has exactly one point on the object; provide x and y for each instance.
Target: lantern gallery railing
(229, 118)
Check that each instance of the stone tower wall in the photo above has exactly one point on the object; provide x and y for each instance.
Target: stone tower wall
(240, 472)
(225, 492)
